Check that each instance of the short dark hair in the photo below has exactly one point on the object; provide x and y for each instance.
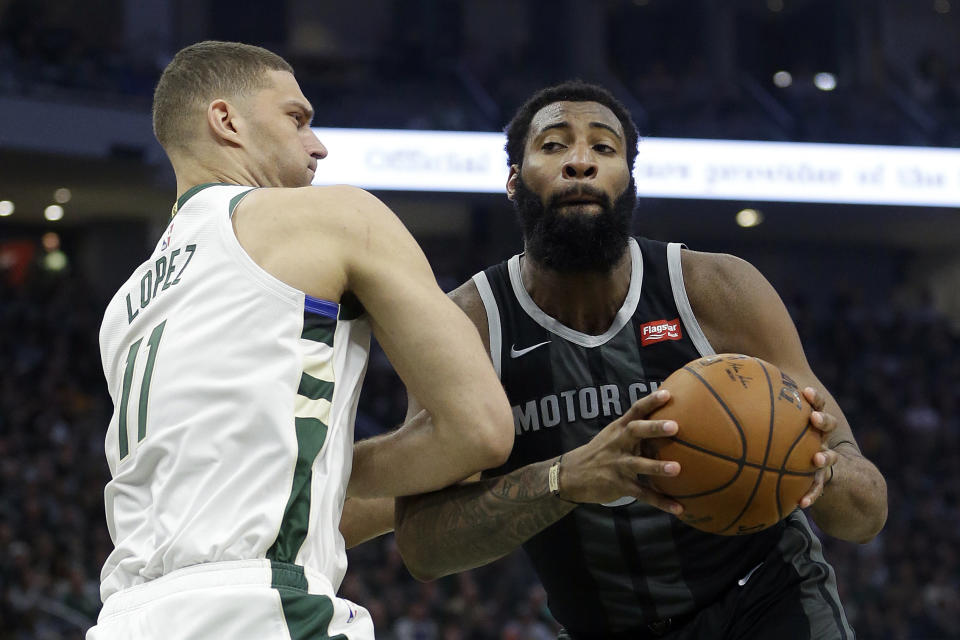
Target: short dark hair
(569, 91)
(203, 72)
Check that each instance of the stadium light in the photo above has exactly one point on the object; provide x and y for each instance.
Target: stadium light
(941, 6)
(749, 218)
(62, 195)
(782, 79)
(53, 213)
(6, 208)
(825, 81)
(55, 260)
(50, 241)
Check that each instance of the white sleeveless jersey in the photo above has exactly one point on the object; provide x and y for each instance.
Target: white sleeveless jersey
(234, 401)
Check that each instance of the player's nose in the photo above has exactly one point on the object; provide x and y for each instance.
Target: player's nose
(579, 164)
(314, 147)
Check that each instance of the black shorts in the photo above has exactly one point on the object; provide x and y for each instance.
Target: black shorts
(787, 597)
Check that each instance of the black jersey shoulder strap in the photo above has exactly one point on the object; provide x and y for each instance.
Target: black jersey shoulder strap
(664, 288)
(511, 329)
(658, 276)
(493, 284)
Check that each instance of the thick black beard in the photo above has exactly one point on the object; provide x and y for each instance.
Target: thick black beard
(573, 242)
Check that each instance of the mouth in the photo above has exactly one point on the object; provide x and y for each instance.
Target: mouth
(312, 166)
(579, 200)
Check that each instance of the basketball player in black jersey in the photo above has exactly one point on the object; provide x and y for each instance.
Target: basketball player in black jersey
(582, 327)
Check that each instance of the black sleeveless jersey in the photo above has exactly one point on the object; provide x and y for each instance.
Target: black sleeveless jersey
(626, 564)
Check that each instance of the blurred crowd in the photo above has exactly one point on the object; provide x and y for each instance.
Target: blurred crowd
(894, 368)
(428, 74)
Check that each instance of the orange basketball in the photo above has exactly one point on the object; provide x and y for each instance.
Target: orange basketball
(744, 444)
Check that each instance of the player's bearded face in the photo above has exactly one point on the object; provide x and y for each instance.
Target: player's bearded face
(571, 240)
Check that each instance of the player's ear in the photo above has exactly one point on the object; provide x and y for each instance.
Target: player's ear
(221, 118)
(512, 181)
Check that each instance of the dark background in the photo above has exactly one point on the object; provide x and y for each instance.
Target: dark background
(875, 291)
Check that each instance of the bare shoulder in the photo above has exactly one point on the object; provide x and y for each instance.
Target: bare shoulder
(311, 207)
(712, 275)
(733, 302)
(304, 236)
(467, 297)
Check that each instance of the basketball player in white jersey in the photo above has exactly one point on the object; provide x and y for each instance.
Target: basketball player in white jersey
(234, 356)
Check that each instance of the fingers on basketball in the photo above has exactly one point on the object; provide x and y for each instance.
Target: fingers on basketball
(650, 402)
(815, 398)
(745, 443)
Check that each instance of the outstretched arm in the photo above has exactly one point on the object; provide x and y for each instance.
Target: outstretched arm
(740, 312)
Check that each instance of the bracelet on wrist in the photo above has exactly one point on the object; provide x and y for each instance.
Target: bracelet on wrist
(553, 480)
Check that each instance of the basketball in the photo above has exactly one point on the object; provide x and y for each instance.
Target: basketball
(744, 444)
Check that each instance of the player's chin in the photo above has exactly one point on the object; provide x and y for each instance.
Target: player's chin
(300, 180)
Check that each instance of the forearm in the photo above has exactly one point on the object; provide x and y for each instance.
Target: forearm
(853, 506)
(416, 458)
(470, 525)
(364, 519)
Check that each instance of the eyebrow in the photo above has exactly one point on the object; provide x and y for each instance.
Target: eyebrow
(306, 108)
(563, 124)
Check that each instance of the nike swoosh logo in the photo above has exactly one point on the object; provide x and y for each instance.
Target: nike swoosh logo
(516, 353)
(742, 581)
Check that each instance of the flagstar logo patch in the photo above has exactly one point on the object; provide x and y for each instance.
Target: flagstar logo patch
(660, 330)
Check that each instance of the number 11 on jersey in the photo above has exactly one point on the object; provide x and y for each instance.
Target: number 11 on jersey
(152, 343)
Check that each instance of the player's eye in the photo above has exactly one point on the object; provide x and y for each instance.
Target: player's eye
(604, 148)
(297, 117)
(551, 146)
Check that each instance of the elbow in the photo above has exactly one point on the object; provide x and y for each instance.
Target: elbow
(877, 522)
(414, 559)
(877, 513)
(421, 573)
(494, 440)
(871, 533)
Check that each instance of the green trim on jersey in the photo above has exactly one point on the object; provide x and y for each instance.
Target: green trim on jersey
(311, 434)
(194, 190)
(154, 344)
(125, 397)
(317, 328)
(314, 388)
(307, 615)
(235, 200)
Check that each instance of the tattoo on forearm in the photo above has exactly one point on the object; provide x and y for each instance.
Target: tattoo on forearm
(469, 525)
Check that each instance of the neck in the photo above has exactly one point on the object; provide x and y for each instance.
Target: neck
(193, 171)
(585, 301)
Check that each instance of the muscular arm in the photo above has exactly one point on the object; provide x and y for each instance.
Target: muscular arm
(327, 241)
(740, 312)
(477, 522)
(474, 523)
(365, 518)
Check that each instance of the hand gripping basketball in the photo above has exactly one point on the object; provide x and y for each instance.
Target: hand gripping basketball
(750, 444)
(608, 468)
(824, 459)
